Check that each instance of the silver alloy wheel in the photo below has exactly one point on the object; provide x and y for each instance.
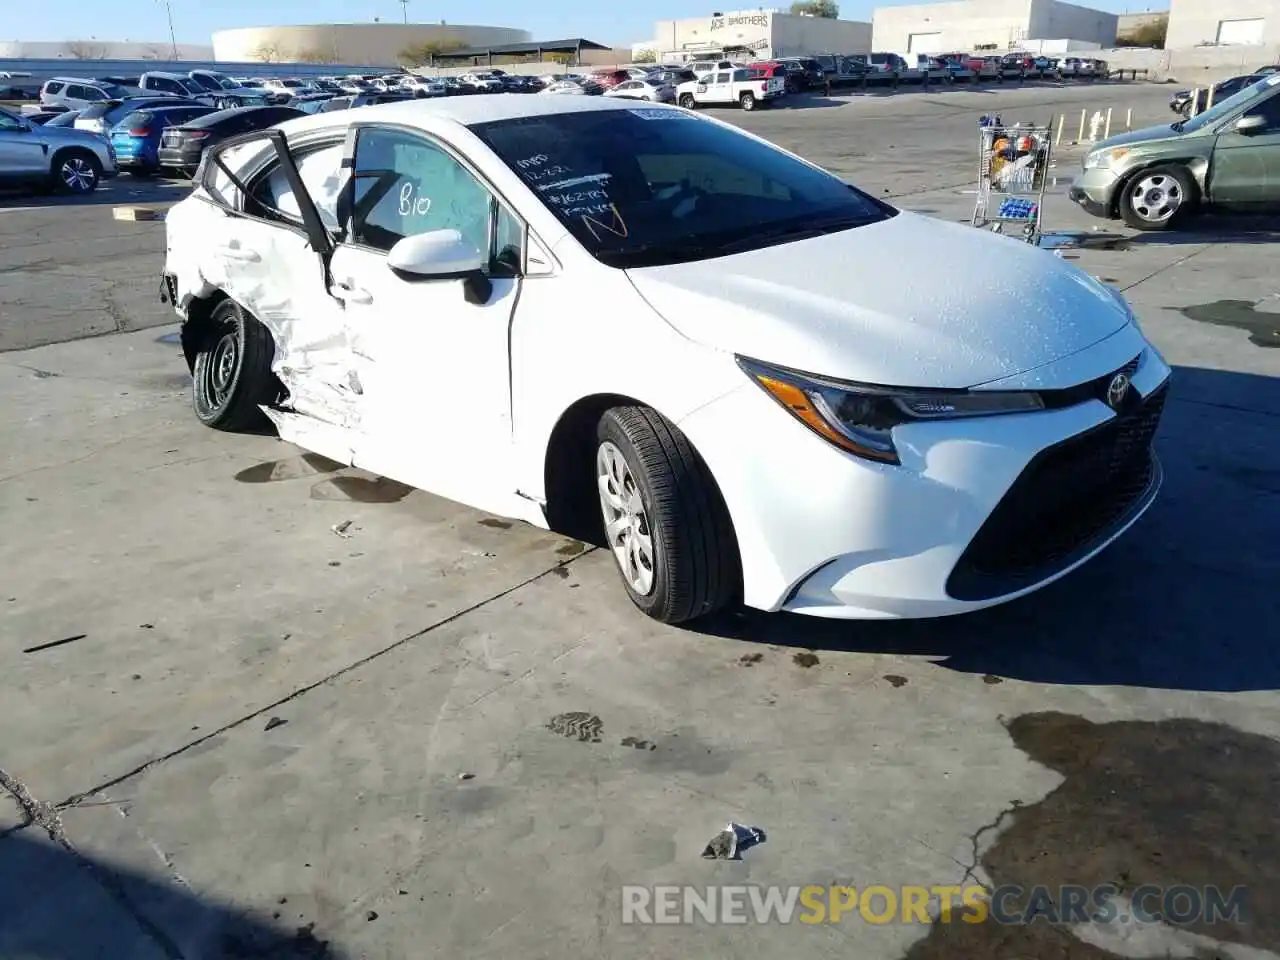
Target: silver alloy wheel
(626, 524)
(1156, 198)
(78, 175)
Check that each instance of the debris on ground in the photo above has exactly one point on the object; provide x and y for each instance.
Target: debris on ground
(806, 659)
(577, 725)
(273, 723)
(730, 842)
(466, 776)
(896, 680)
(750, 659)
(54, 643)
(341, 529)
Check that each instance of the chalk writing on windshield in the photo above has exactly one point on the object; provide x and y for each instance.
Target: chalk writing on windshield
(410, 205)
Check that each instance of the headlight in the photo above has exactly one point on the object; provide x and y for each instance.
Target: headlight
(1105, 159)
(860, 418)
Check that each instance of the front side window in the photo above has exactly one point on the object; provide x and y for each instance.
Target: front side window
(722, 78)
(1269, 110)
(9, 122)
(644, 186)
(406, 185)
(320, 170)
(205, 82)
(1223, 108)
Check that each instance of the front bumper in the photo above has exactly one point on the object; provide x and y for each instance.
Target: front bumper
(827, 534)
(1095, 191)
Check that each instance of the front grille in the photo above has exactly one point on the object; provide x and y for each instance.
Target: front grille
(1068, 499)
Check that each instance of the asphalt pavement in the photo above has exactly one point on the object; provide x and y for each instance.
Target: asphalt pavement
(259, 705)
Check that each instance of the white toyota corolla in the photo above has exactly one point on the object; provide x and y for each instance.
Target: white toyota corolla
(752, 381)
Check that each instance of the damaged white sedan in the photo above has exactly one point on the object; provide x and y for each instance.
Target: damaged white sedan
(637, 325)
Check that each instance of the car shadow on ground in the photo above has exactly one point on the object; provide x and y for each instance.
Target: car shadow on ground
(56, 904)
(1211, 228)
(1186, 600)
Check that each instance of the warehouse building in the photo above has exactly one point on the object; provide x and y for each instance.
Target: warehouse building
(997, 25)
(1195, 23)
(759, 34)
(373, 43)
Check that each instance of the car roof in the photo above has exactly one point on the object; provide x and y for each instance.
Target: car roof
(467, 111)
(166, 74)
(86, 81)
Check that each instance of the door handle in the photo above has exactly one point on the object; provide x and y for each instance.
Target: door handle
(239, 254)
(349, 293)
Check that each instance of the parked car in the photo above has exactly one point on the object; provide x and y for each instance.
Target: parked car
(75, 93)
(807, 72)
(481, 82)
(362, 100)
(1223, 158)
(226, 93)
(155, 82)
(182, 147)
(63, 158)
(289, 86)
(1078, 67)
(1024, 63)
(101, 117)
(41, 117)
(725, 87)
(1180, 102)
(424, 87)
(136, 138)
(643, 90)
(672, 75)
(886, 63)
(699, 67)
(66, 118)
(768, 70)
(565, 87)
(609, 78)
(827, 453)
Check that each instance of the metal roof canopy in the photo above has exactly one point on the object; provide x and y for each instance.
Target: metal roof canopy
(574, 45)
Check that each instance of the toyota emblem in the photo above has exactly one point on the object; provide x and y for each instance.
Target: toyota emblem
(1117, 390)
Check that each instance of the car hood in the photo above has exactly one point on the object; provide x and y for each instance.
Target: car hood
(909, 301)
(1163, 131)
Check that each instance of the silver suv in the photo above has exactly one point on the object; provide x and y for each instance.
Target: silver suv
(76, 93)
(66, 159)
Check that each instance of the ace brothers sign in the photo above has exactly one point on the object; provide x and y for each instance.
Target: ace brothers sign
(749, 25)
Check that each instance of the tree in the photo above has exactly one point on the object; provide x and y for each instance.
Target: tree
(267, 51)
(84, 50)
(816, 8)
(417, 54)
(316, 55)
(1150, 34)
(644, 55)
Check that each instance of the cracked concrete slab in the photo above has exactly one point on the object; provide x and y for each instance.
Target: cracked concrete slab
(276, 736)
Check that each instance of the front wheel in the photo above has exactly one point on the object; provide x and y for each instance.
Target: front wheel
(664, 520)
(1155, 199)
(76, 171)
(748, 101)
(687, 101)
(232, 377)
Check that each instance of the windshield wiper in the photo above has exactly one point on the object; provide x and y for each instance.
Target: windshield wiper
(1177, 125)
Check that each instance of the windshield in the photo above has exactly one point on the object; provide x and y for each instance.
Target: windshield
(293, 84)
(646, 186)
(113, 91)
(1225, 107)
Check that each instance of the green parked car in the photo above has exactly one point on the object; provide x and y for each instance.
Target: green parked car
(1227, 158)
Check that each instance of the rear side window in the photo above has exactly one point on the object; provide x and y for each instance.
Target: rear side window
(53, 86)
(321, 172)
(722, 78)
(138, 120)
(741, 76)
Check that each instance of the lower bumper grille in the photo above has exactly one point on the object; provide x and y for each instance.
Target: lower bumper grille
(1068, 499)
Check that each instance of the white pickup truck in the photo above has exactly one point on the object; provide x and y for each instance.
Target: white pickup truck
(730, 86)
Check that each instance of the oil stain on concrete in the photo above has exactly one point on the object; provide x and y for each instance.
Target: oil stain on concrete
(1168, 803)
(1263, 328)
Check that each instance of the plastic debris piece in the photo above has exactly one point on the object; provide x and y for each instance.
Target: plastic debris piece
(273, 723)
(732, 841)
(341, 529)
(466, 776)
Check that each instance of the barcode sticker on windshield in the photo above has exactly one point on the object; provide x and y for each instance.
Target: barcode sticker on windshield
(663, 114)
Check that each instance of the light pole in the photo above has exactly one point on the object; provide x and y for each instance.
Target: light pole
(404, 6)
(173, 41)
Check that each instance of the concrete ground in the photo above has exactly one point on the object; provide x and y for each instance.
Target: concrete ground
(228, 731)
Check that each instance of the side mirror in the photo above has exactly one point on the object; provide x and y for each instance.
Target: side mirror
(441, 255)
(1250, 125)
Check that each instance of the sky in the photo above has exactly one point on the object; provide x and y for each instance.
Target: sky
(599, 20)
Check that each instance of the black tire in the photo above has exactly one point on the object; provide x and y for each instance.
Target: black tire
(747, 101)
(1174, 177)
(696, 569)
(687, 101)
(227, 390)
(75, 171)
